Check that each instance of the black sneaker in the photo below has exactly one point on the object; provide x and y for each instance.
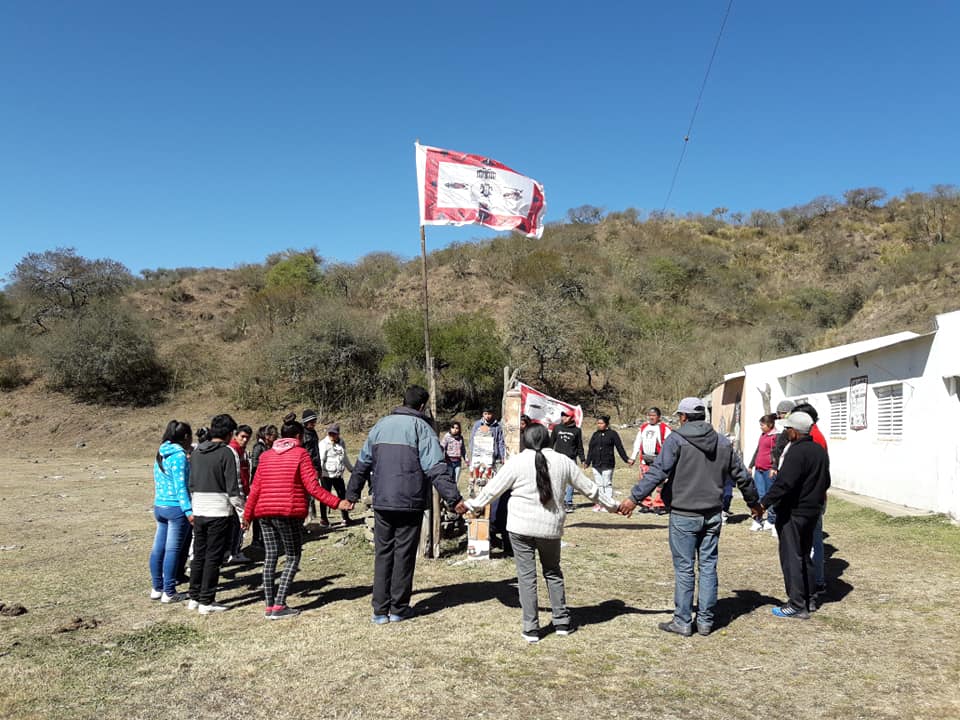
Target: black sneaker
(284, 612)
(672, 627)
(563, 630)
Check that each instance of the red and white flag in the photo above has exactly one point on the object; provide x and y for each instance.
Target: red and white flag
(460, 189)
(545, 409)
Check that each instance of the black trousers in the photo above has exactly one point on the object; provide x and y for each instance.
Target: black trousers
(211, 536)
(498, 522)
(330, 485)
(396, 535)
(796, 539)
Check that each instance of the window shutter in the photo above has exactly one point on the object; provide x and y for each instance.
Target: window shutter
(889, 411)
(838, 415)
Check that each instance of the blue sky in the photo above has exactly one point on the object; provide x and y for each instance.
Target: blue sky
(214, 133)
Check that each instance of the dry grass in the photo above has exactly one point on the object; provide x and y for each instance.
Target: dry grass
(887, 647)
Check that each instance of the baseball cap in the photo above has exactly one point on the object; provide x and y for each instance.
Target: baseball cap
(785, 406)
(799, 421)
(691, 405)
(566, 413)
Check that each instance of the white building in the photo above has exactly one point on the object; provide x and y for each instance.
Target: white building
(889, 408)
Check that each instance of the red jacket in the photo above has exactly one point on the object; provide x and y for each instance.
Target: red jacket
(244, 464)
(285, 474)
(817, 436)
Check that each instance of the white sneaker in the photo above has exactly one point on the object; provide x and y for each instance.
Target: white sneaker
(155, 594)
(757, 526)
(597, 508)
(531, 637)
(175, 598)
(212, 608)
(767, 525)
(193, 605)
(773, 532)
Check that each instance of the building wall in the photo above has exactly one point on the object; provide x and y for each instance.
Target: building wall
(725, 410)
(921, 469)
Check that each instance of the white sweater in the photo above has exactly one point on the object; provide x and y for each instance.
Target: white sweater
(526, 514)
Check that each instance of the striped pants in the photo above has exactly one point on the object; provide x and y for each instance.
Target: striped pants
(289, 532)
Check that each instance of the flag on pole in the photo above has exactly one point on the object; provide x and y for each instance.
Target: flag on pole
(460, 189)
(545, 409)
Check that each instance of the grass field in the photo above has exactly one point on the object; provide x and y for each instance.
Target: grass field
(76, 533)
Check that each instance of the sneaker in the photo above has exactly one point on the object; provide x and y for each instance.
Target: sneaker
(212, 608)
(704, 629)
(156, 594)
(568, 509)
(767, 525)
(756, 526)
(175, 598)
(282, 611)
(531, 636)
(240, 558)
(324, 523)
(724, 516)
(788, 611)
(193, 605)
(380, 619)
(774, 534)
(673, 627)
(400, 616)
(564, 630)
(270, 608)
(597, 508)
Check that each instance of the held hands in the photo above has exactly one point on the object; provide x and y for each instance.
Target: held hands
(626, 507)
(243, 524)
(756, 511)
(461, 508)
(345, 505)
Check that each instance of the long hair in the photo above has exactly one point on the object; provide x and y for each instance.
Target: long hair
(536, 438)
(176, 432)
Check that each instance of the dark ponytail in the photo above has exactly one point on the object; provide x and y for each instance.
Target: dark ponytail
(176, 432)
(536, 438)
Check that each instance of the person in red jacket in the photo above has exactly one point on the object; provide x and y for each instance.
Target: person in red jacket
(278, 499)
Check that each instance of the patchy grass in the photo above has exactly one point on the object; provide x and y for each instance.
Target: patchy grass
(887, 646)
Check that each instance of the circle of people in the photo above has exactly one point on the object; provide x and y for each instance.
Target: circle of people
(208, 492)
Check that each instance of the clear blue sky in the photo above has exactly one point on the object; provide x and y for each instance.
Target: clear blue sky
(213, 133)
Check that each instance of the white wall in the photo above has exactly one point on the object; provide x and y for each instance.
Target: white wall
(922, 468)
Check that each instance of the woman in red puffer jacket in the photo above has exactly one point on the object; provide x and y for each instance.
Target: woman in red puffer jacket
(278, 499)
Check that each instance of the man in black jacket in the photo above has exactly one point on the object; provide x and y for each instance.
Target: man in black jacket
(401, 459)
(311, 443)
(567, 439)
(695, 461)
(798, 494)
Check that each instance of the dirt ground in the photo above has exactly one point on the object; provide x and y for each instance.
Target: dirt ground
(76, 531)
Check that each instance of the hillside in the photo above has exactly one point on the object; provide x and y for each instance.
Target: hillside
(616, 311)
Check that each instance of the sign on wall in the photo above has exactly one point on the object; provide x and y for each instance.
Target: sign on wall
(858, 403)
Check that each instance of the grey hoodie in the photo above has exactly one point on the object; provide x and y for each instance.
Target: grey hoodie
(696, 462)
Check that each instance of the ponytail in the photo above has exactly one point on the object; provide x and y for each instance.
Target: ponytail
(536, 438)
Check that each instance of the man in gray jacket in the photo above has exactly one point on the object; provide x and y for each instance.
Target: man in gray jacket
(695, 461)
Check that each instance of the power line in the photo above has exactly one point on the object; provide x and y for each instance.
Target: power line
(696, 108)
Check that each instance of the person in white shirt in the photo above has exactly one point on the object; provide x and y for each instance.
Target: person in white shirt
(333, 461)
(538, 477)
(647, 446)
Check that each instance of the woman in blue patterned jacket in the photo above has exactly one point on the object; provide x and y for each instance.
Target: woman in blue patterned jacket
(172, 511)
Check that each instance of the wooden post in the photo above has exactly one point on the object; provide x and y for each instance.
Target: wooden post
(430, 530)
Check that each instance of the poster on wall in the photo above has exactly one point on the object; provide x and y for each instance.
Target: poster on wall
(858, 403)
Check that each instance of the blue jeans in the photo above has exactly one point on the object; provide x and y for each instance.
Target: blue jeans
(173, 528)
(763, 481)
(694, 537)
(820, 577)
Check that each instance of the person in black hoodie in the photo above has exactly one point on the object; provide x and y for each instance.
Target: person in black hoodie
(694, 463)
(311, 443)
(567, 439)
(215, 495)
(798, 494)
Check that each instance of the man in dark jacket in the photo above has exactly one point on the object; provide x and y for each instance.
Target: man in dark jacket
(695, 462)
(798, 494)
(311, 443)
(567, 439)
(600, 456)
(215, 494)
(401, 459)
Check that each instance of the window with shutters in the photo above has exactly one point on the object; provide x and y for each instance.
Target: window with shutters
(889, 411)
(838, 415)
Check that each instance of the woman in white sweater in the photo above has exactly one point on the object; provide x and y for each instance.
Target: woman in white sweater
(538, 476)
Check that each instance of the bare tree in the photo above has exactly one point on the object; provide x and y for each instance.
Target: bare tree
(864, 198)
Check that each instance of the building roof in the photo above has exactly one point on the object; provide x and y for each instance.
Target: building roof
(791, 364)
